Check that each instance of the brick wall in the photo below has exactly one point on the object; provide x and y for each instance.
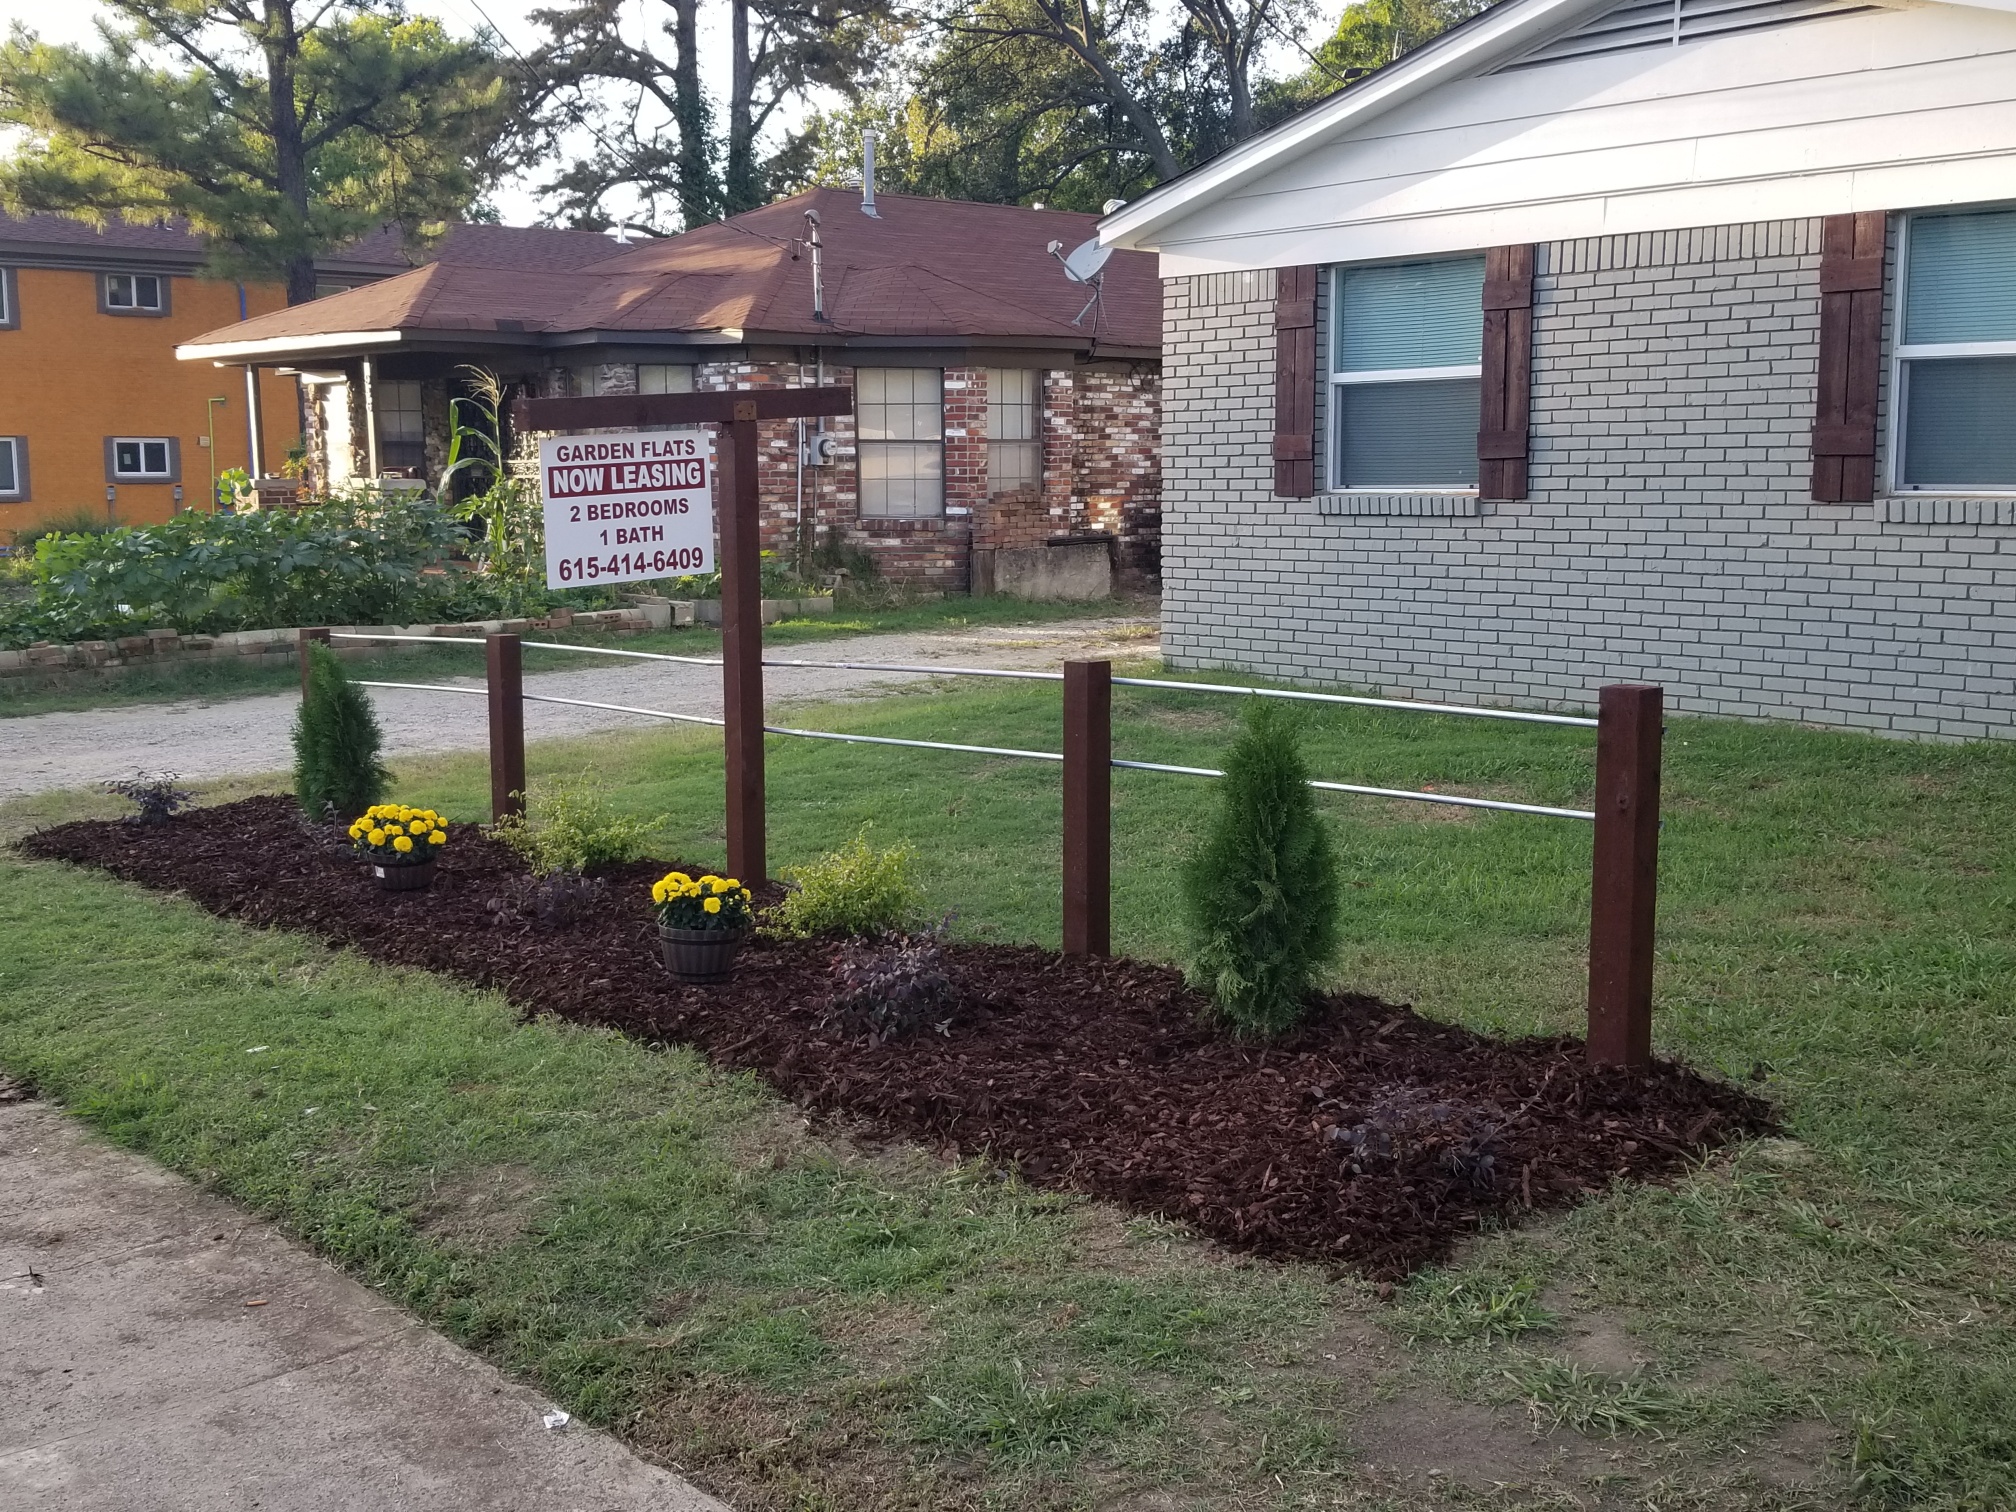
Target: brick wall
(1668, 537)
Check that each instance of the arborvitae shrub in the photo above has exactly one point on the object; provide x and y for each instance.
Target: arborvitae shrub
(1260, 893)
(336, 743)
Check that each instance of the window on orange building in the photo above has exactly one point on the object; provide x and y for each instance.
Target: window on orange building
(134, 294)
(13, 469)
(142, 459)
(10, 314)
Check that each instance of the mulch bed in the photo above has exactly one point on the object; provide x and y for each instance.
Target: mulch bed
(1372, 1138)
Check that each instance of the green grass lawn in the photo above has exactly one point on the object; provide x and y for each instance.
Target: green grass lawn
(810, 1324)
(235, 679)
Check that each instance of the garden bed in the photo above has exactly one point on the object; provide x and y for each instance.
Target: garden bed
(1371, 1138)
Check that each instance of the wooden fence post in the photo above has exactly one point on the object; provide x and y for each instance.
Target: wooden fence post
(504, 660)
(319, 633)
(1624, 893)
(742, 643)
(1088, 808)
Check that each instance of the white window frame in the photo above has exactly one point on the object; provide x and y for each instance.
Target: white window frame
(167, 473)
(1333, 461)
(691, 370)
(865, 446)
(1030, 445)
(17, 455)
(159, 307)
(1900, 354)
(10, 301)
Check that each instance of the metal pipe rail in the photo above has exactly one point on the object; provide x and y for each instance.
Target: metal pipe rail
(1624, 866)
(1450, 799)
(1298, 695)
(1468, 711)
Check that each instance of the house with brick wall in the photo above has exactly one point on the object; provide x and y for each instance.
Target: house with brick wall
(998, 403)
(1664, 340)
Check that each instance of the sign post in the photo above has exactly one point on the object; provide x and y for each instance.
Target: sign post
(738, 412)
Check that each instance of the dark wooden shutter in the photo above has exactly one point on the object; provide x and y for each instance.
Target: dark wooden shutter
(1508, 372)
(1851, 350)
(1295, 383)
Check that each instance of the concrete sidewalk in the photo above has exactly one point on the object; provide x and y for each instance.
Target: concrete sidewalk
(160, 1351)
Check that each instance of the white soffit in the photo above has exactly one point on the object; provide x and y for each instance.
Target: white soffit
(1506, 30)
(269, 346)
(1498, 41)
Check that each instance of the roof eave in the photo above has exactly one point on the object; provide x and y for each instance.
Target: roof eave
(1511, 27)
(282, 347)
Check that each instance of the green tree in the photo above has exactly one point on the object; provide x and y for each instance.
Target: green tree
(1260, 893)
(279, 129)
(1373, 33)
(336, 743)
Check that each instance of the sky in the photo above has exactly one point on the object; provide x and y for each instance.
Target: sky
(71, 21)
(516, 202)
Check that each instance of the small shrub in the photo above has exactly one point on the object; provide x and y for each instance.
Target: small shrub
(565, 898)
(336, 742)
(157, 797)
(569, 826)
(705, 902)
(1261, 892)
(855, 890)
(893, 987)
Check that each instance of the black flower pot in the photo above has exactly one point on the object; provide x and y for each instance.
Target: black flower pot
(700, 955)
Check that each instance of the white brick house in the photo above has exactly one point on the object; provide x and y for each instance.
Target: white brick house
(1671, 340)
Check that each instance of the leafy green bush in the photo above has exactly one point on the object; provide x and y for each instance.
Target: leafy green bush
(569, 826)
(363, 561)
(855, 890)
(1260, 893)
(336, 742)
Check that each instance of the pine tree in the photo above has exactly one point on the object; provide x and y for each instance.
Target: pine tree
(1261, 891)
(336, 742)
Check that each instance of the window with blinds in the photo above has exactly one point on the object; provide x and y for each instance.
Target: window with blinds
(664, 378)
(1014, 430)
(1638, 24)
(402, 428)
(900, 442)
(1406, 367)
(1955, 364)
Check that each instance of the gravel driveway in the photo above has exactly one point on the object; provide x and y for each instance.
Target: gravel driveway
(202, 739)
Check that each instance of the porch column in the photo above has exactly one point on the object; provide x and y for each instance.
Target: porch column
(370, 421)
(255, 424)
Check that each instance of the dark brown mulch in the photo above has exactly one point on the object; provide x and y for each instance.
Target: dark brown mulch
(1372, 1138)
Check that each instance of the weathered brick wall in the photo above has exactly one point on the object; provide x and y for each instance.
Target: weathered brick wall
(1668, 537)
(1101, 470)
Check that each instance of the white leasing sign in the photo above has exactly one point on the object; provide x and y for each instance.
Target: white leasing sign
(623, 508)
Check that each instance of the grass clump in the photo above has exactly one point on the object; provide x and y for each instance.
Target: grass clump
(336, 742)
(1260, 893)
(569, 826)
(855, 890)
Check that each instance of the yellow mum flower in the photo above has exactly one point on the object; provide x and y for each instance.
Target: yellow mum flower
(439, 837)
(747, 895)
(376, 837)
(712, 905)
(402, 843)
(733, 884)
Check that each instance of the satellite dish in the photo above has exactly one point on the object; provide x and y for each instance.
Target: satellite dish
(1084, 263)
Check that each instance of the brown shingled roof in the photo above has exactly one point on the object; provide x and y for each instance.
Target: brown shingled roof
(925, 268)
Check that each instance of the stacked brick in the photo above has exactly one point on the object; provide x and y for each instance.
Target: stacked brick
(1668, 537)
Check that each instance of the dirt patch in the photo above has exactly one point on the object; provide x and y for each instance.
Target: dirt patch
(1420, 1441)
(481, 1210)
(1371, 1138)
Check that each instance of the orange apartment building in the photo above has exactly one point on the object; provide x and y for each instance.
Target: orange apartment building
(96, 414)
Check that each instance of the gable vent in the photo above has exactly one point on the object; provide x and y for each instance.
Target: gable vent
(1635, 25)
